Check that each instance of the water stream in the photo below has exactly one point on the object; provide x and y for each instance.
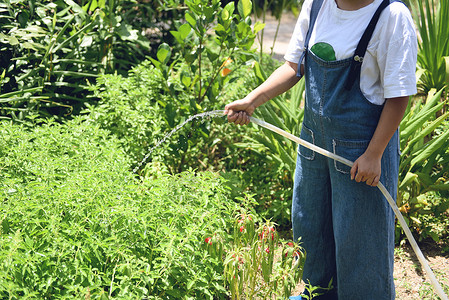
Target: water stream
(208, 114)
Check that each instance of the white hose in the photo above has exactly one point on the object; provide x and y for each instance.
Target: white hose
(422, 260)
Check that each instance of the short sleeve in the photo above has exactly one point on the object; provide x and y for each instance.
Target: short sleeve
(397, 55)
(296, 45)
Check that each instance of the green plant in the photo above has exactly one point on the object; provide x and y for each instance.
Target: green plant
(258, 265)
(431, 18)
(75, 223)
(133, 110)
(213, 42)
(423, 168)
(54, 50)
(286, 113)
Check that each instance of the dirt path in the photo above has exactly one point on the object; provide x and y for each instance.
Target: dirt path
(284, 34)
(411, 282)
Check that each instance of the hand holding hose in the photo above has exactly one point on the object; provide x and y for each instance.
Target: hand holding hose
(239, 111)
(367, 168)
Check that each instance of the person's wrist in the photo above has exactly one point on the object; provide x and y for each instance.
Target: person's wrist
(374, 153)
(258, 100)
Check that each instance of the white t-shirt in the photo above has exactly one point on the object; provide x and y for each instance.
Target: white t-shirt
(389, 64)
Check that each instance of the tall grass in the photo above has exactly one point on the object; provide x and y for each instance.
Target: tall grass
(432, 21)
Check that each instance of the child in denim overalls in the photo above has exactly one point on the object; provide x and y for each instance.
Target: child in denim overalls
(358, 58)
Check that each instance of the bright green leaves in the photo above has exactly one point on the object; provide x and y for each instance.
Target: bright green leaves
(92, 5)
(163, 53)
(75, 222)
(431, 18)
(163, 56)
(258, 27)
(244, 8)
(424, 145)
(228, 11)
(182, 33)
(210, 35)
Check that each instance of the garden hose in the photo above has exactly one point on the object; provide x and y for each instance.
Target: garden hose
(408, 233)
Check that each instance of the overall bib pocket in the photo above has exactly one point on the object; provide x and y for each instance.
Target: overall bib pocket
(350, 150)
(306, 135)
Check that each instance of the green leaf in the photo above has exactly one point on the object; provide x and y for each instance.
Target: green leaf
(190, 19)
(230, 8)
(86, 41)
(260, 74)
(446, 68)
(190, 284)
(163, 53)
(258, 27)
(425, 132)
(244, 8)
(426, 113)
(209, 13)
(184, 30)
(225, 13)
(434, 145)
(182, 33)
(408, 179)
(439, 187)
(186, 79)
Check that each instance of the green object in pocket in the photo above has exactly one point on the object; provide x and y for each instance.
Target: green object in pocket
(324, 51)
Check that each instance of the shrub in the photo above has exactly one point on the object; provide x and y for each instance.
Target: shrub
(52, 50)
(423, 170)
(133, 110)
(74, 223)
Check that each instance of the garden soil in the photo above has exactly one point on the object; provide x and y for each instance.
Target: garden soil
(410, 280)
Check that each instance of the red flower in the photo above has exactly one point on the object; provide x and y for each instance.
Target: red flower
(266, 231)
(290, 244)
(208, 240)
(242, 228)
(267, 250)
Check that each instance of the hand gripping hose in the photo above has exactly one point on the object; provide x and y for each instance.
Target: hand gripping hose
(419, 254)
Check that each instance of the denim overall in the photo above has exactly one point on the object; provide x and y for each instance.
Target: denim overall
(346, 228)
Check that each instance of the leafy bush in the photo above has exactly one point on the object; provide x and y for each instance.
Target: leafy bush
(75, 224)
(423, 169)
(133, 110)
(211, 44)
(52, 50)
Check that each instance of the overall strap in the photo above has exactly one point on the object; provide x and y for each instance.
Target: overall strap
(360, 51)
(316, 6)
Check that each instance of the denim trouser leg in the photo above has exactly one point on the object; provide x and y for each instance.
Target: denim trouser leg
(364, 230)
(343, 224)
(312, 215)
